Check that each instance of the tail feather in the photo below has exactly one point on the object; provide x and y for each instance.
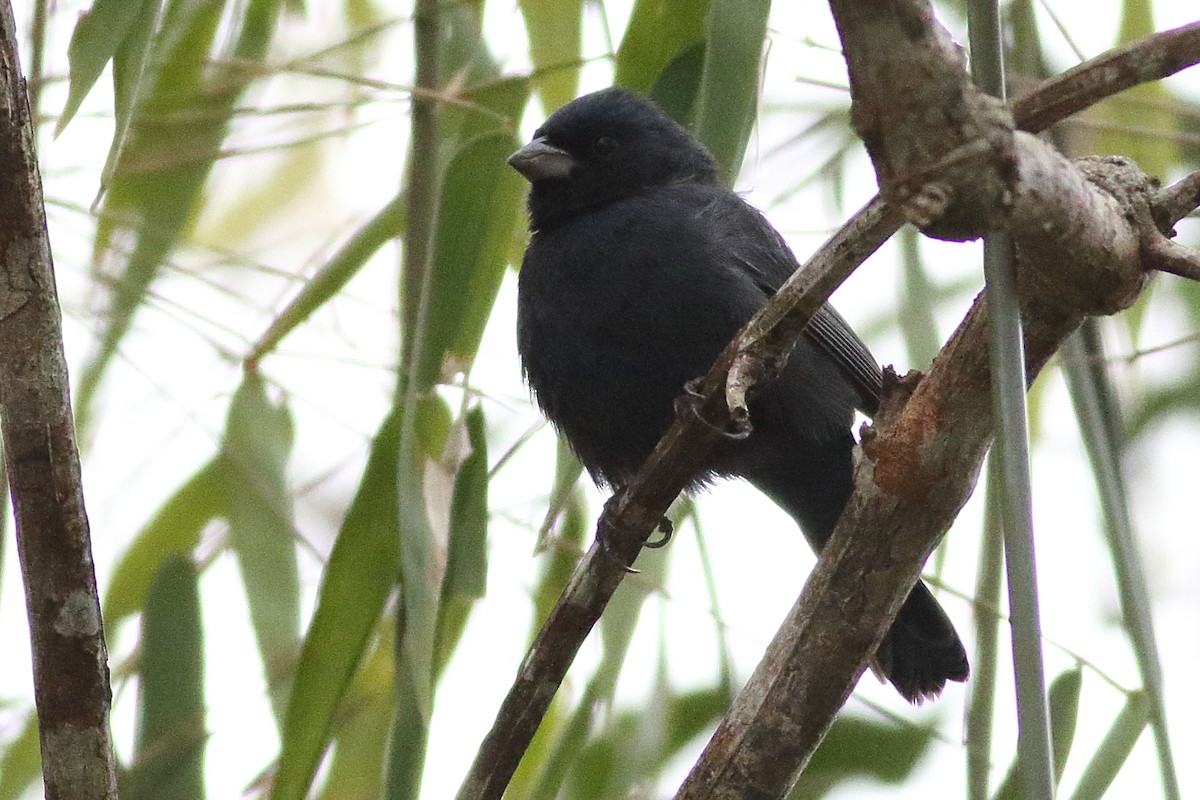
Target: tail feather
(922, 650)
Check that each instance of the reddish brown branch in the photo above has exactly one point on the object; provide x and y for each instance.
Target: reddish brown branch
(70, 661)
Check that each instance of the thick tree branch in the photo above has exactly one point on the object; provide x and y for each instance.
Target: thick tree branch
(633, 514)
(70, 661)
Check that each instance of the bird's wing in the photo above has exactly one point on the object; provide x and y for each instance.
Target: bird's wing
(762, 252)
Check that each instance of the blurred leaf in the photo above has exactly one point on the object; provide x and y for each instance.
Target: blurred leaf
(362, 726)
(916, 317)
(478, 210)
(361, 572)
(466, 558)
(1160, 403)
(1064, 714)
(561, 556)
(333, 276)
(727, 104)
(1115, 749)
(617, 626)
(567, 470)
(1143, 108)
(658, 32)
(158, 168)
(554, 28)
(678, 84)
(21, 761)
(99, 33)
(168, 759)
(418, 613)
(175, 529)
(258, 442)
(859, 748)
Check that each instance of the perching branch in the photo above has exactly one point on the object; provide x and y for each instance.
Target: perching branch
(70, 660)
(632, 515)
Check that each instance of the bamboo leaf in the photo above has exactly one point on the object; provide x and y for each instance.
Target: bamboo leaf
(567, 470)
(856, 748)
(727, 103)
(159, 163)
(1115, 749)
(362, 726)
(258, 442)
(21, 762)
(99, 33)
(677, 86)
(1064, 715)
(361, 572)
(555, 36)
(168, 759)
(659, 30)
(174, 529)
(478, 210)
(466, 558)
(351, 257)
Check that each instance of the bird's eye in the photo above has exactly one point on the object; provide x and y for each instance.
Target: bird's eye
(605, 146)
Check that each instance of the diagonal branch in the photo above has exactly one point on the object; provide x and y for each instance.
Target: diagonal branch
(632, 515)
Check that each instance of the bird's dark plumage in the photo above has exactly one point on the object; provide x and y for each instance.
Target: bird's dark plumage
(640, 268)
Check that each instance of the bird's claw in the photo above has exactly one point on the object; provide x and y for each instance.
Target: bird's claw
(692, 398)
(668, 530)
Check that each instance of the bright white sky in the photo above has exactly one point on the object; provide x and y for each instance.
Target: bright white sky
(165, 400)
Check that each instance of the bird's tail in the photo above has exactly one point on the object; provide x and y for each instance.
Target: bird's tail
(922, 650)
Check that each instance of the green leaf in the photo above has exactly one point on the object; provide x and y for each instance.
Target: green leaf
(21, 763)
(466, 558)
(1064, 714)
(330, 279)
(420, 570)
(659, 31)
(554, 28)
(361, 572)
(567, 470)
(478, 210)
(258, 441)
(858, 748)
(159, 162)
(168, 759)
(735, 32)
(1115, 749)
(362, 726)
(99, 33)
(677, 86)
(478, 207)
(175, 529)
(560, 560)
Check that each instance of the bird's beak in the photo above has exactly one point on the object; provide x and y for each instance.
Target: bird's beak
(539, 160)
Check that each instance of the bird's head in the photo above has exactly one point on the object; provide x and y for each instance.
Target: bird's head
(604, 147)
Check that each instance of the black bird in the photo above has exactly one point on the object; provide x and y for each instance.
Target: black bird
(640, 268)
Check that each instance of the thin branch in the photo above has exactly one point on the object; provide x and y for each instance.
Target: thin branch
(70, 659)
(1146, 60)
(1176, 201)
